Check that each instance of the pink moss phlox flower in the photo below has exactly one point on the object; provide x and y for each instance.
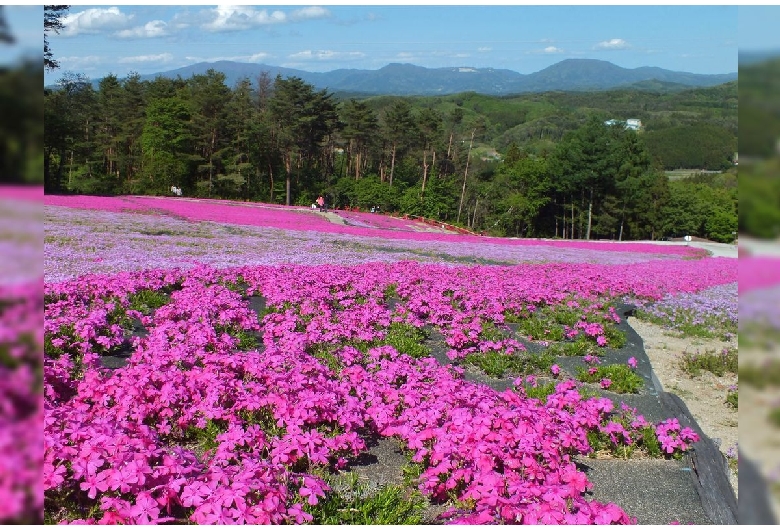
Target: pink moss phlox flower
(674, 438)
(308, 390)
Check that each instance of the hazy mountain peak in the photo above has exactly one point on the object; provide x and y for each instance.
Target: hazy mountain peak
(410, 79)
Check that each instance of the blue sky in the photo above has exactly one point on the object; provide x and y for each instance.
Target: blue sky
(119, 39)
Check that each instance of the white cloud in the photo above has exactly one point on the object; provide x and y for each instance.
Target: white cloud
(325, 55)
(309, 13)
(549, 50)
(94, 20)
(462, 55)
(159, 58)
(154, 28)
(612, 44)
(237, 18)
(257, 57)
(484, 49)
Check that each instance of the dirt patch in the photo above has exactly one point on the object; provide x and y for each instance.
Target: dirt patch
(705, 395)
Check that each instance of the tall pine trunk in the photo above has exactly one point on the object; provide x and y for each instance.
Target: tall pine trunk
(288, 170)
(590, 214)
(392, 165)
(271, 175)
(465, 175)
(572, 216)
(425, 174)
(211, 160)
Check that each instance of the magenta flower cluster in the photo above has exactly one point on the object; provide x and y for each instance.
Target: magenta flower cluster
(195, 429)
(673, 437)
(303, 219)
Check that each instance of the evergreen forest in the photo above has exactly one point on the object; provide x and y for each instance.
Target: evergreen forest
(530, 165)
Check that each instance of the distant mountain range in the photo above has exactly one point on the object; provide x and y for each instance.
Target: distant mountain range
(408, 79)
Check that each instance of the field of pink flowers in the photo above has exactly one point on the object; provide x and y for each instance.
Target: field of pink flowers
(259, 360)
(303, 219)
(99, 234)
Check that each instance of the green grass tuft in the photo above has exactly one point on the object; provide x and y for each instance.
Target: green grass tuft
(496, 364)
(717, 363)
(540, 392)
(624, 380)
(147, 300)
(579, 347)
(406, 338)
(732, 399)
(350, 503)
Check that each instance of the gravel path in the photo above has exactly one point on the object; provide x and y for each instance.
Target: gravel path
(704, 395)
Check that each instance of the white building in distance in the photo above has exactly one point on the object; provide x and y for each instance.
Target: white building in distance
(631, 123)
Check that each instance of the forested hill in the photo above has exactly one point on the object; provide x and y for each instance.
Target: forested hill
(523, 165)
(694, 128)
(408, 79)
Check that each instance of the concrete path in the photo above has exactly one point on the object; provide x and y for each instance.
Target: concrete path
(717, 250)
(330, 216)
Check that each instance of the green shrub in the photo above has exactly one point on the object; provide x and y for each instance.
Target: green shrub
(716, 363)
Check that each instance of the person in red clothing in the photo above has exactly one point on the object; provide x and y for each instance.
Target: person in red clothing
(320, 202)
